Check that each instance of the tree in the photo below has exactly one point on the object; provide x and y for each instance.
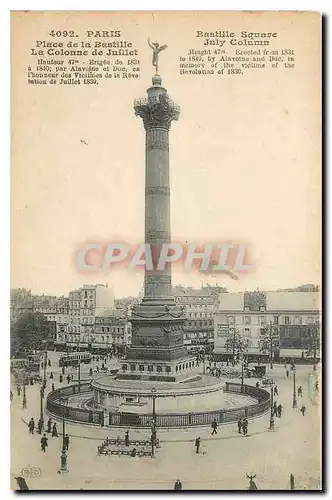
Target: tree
(236, 344)
(311, 343)
(28, 333)
(269, 341)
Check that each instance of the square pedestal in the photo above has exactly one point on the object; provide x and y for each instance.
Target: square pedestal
(160, 371)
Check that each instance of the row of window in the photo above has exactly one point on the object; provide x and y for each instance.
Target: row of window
(200, 315)
(191, 299)
(113, 330)
(197, 335)
(159, 368)
(199, 323)
(263, 320)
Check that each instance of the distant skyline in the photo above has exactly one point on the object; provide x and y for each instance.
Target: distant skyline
(236, 288)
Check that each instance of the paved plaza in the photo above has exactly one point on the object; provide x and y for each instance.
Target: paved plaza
(223, 462)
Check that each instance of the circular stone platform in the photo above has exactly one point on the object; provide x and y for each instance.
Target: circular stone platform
(202, 393)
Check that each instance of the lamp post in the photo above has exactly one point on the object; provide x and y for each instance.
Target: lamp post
(41, 405)
(243, 361)
(24, 402)
(79, 375)
(45, 364)
(271, 345)
(294, 388)
(64, 402)
(154, 421)
(242, 374)
(154, 395)
(271, 427)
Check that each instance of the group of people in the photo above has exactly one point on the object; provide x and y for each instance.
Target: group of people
(51, 429)
(242, 425)
(277, 409)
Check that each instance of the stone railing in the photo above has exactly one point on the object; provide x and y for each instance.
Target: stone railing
(201, 418)
(56, 407)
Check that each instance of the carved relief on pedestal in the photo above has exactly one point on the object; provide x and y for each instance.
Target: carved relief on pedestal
(174, 334)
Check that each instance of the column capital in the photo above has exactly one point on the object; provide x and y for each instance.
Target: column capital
(157, 110)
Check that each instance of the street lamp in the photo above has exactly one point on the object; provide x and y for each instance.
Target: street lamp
(271, 427)
(45, 364)
(242, 374)
(79, 375)
(64, 402)
(271, 345)
(24, 402)
(294, 388)
(246, 346)
(154, 421)
(41, 406)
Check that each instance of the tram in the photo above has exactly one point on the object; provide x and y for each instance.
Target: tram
(74, 358)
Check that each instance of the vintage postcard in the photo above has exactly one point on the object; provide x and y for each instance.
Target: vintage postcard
(166, 323)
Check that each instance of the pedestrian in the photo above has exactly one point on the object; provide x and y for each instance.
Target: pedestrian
(299, 391)
(276, 390)
(40, 426)
(55, 431)
(18, 390)
(275, 409)
(127, 438)
(53, 388)
(303, 409)
(90, 371)
(49, 362)
(63, 370)
(178, 485)
(214, 426)
(245, 426)
(49, 425)
(31, 425)
(60, 379)
(197, 444)
(68, 378)
(279, 408)
(51, 375)
(97, 369)
(239, 425)
(66, 442)
(285, 366)
(44, 443)
(287, 373)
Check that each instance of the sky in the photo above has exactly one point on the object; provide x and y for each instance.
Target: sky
(244, 156)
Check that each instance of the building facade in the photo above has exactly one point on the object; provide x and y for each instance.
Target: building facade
(200, 306)
(292, 315)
